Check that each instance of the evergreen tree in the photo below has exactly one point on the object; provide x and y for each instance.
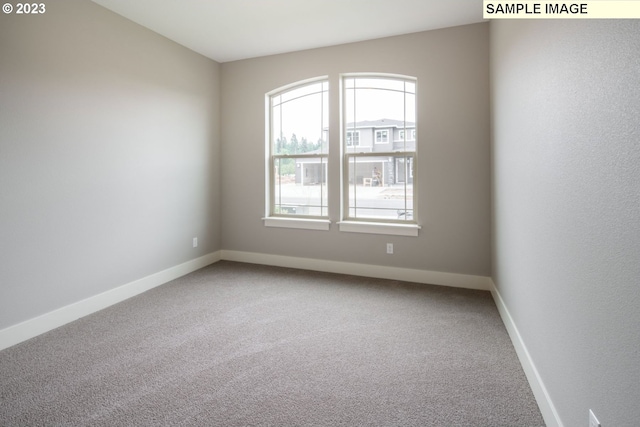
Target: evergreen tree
(294, 146)
(281, 145)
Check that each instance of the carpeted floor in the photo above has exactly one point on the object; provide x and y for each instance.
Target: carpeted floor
(246, 345)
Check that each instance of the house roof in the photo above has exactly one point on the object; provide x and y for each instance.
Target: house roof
(381, 123)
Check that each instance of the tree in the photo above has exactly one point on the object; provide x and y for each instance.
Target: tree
(287, 167)
(281, 145)
(294, 146)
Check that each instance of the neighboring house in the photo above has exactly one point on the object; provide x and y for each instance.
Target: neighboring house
(371, 136)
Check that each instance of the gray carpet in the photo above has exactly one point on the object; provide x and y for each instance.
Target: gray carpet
(245, 345)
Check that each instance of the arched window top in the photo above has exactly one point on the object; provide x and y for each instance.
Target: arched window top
(298, 147)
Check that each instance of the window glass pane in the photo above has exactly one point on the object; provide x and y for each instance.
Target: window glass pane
(323, 141)
(374, 105)
(350, 111)
(380, 83)
(300, 186)
(298, 92)
(381, 187)
(410, 87)
(276, 131)
(303, 124)
(300, 125)
(410, 108)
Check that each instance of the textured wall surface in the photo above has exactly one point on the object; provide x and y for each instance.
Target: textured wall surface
(566, 155)
(109, 156)
(452, 68)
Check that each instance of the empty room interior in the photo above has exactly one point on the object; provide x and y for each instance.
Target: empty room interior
(172, 253)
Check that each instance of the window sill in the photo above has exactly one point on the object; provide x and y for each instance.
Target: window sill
(380, 228)
(300, 223)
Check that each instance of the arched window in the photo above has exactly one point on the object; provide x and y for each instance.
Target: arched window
(298, 147)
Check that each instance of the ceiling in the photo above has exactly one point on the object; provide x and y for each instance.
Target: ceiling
(228, 30)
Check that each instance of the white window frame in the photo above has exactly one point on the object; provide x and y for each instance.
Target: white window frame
(273, 218)
(374, 225)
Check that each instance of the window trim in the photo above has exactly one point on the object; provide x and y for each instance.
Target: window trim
(373, 227)
(297, 222)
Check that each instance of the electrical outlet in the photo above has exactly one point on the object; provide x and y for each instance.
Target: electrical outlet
(195, 242)
(593, 421)
(389, 248)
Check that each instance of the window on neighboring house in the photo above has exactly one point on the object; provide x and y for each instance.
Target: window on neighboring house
(353, 138)
(379, 184)
(297, 146)
(382, 136)
(401, 135)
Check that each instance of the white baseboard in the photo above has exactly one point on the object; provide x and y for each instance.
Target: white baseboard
(548, 409)
(46, 322)
(366, 270)
(54, 319)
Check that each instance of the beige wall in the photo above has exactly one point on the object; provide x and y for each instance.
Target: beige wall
(452, 67)
(109, 156)
(566, 155)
